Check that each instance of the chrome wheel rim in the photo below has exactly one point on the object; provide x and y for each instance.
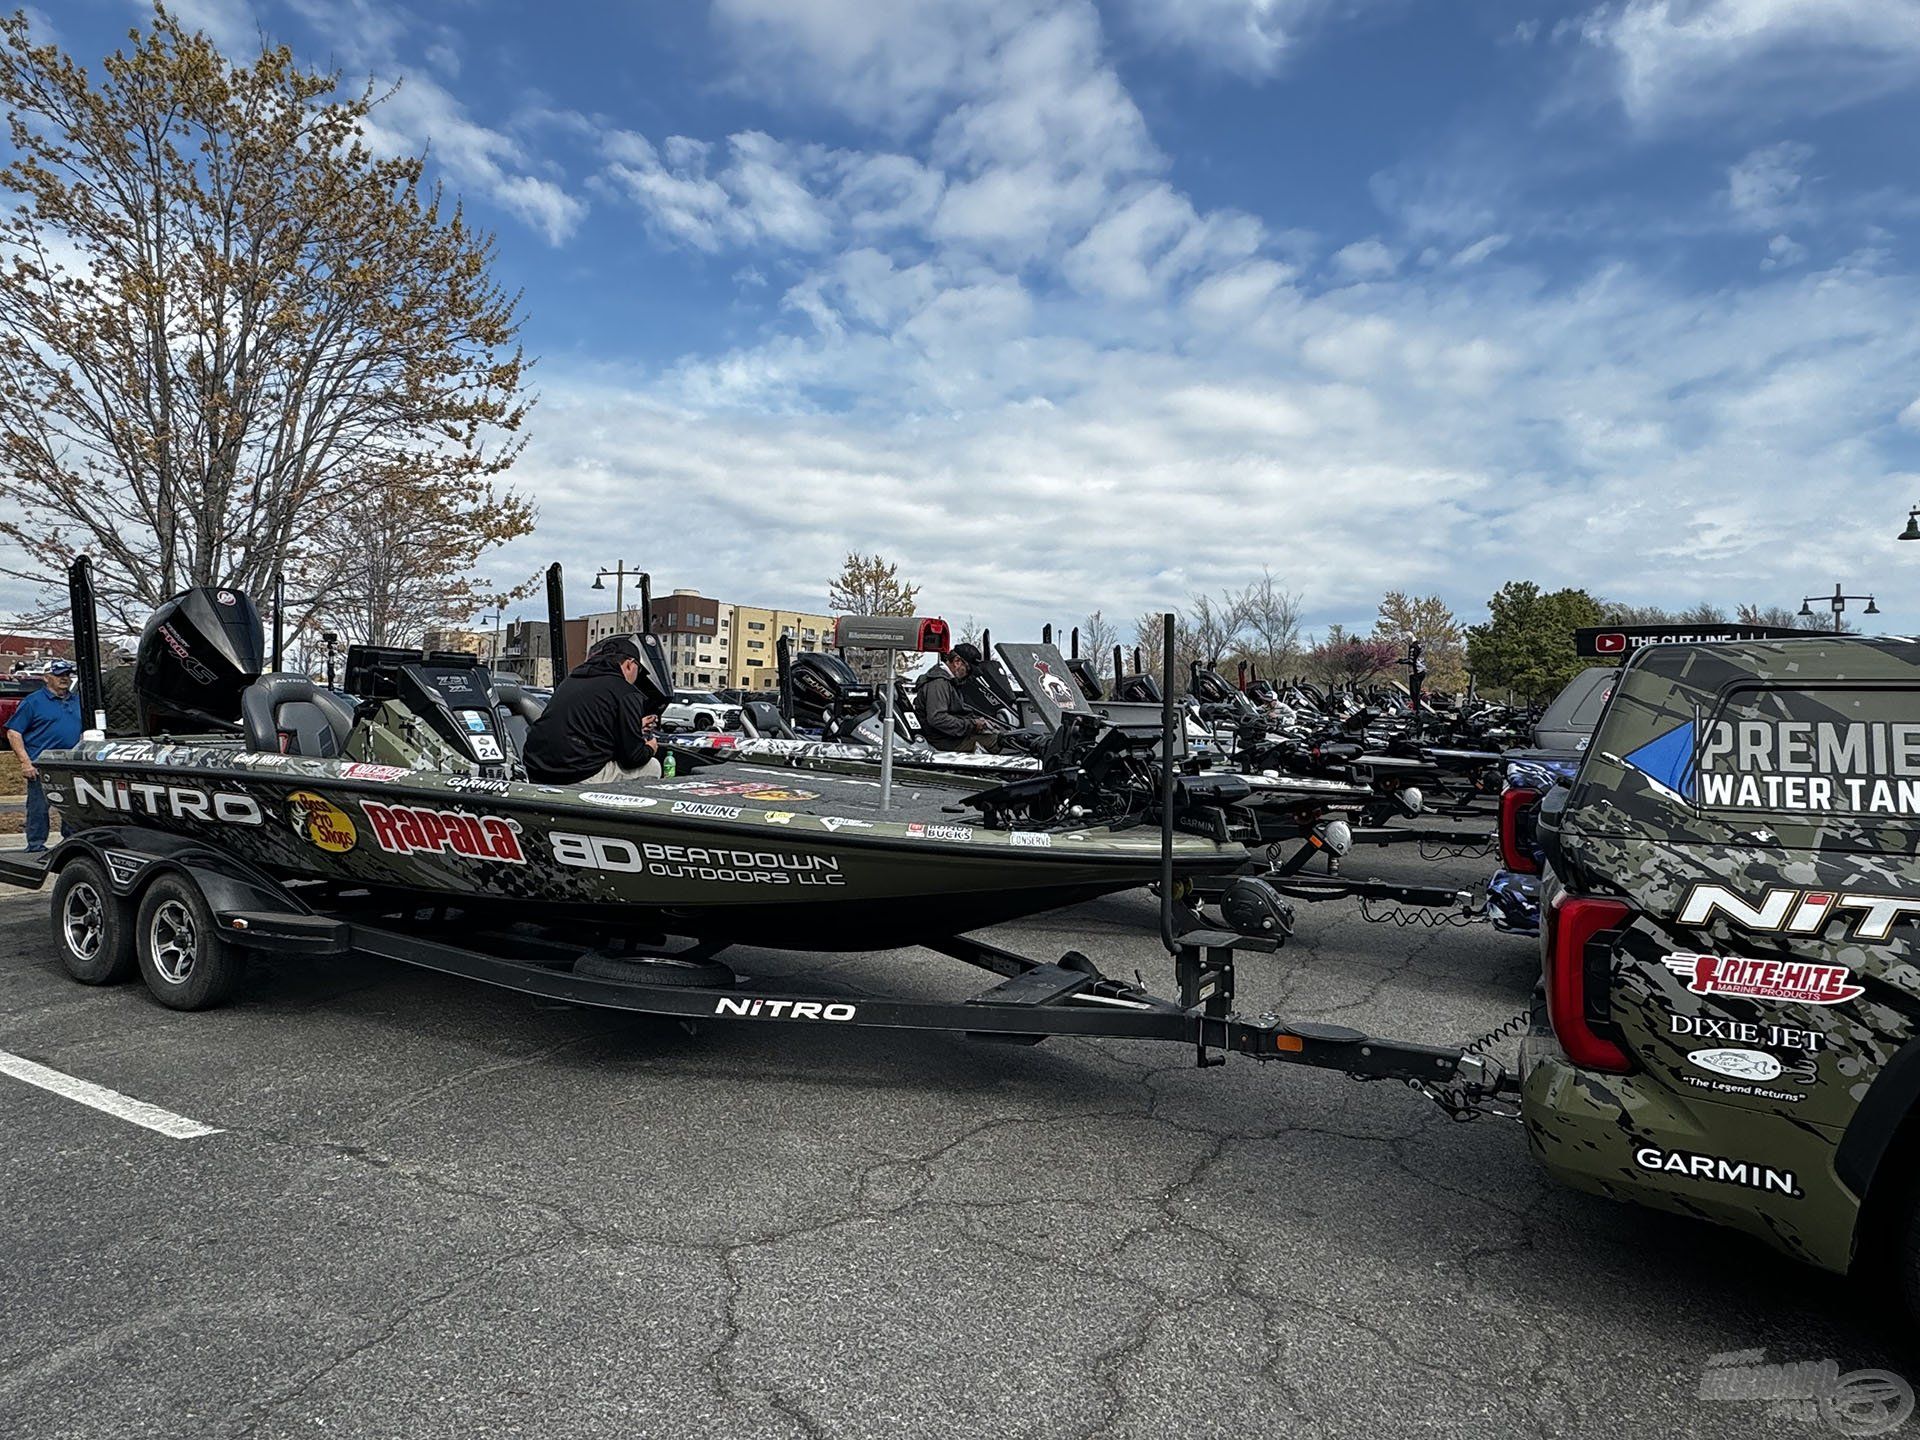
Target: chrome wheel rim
(171, 941)
(83, 921)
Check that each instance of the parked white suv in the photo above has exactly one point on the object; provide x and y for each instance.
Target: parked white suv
(699, 710)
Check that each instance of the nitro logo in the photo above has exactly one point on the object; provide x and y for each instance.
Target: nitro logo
(409, 830)
(783, 1010)
(1765, 979)
(1718, 1170)
(1783, 910)
(176, 802)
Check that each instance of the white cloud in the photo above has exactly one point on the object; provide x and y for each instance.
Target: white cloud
(1364, 260)
(1691, 58)
(1766, 189)
(1511, 430)
(1782, 251)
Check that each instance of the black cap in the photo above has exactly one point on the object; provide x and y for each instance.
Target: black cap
(969, 653)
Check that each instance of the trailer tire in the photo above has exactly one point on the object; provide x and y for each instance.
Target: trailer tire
(92, 927)
(687, 974)
(184, 961)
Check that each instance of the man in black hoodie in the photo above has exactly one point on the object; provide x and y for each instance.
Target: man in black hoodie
(944, 717)
(597, 727)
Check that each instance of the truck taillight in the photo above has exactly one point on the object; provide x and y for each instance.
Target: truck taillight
(1516, 849)
(1576, 945)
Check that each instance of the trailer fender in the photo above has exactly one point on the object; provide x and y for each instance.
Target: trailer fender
(131, 855)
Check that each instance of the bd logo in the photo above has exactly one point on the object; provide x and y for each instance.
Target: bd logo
(1612, 643)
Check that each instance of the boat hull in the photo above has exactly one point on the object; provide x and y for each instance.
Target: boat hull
(798, 862)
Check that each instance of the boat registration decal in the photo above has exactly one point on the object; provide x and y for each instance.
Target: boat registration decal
(415, 830)
(319, 821)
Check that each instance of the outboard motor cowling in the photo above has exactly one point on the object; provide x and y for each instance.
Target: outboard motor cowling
(198, 652)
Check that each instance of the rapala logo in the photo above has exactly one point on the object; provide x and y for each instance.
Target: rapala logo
(1718, 1170)
(1765, 979)
(1784, 910)
(409, 830)
(178, 802)
(783, 1009)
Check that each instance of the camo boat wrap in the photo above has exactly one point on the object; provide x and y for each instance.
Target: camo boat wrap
(1756, 805)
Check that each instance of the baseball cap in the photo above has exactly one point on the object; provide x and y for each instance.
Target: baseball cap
(60, 667)
(969, 653)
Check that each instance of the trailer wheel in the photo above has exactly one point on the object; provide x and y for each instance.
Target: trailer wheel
(184, 961)
(690, 974)
(92, 927)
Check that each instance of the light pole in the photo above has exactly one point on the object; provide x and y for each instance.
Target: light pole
(1837, 603)
(620, 574)
(499, 621)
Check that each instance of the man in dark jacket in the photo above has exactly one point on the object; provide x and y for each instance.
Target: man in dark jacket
(944, 718)
(597, 727)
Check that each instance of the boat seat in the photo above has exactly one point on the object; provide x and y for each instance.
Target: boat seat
(517, 710)
(767, 721)
(290, 715)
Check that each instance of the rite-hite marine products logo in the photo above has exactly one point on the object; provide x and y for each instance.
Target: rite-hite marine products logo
(319, 821)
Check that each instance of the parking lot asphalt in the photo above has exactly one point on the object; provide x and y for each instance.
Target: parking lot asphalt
(435, 1209)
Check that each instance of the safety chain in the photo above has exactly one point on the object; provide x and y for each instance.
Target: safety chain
(1428, 919)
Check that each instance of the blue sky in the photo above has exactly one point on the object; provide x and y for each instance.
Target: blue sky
(1078, 303)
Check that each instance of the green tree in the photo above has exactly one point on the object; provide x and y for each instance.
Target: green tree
(225, 324)
(1526, 644)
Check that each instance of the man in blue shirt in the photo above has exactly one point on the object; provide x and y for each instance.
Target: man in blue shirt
(48, 719)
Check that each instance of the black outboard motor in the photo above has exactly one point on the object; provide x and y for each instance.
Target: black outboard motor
(1138, 688)
(827, 695)
(198, 652)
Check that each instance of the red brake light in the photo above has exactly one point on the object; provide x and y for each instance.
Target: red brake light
(1516, 856)
(1569, 924)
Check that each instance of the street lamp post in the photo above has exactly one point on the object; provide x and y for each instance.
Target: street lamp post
(620, 574)
(1912, 532)
(1837, 602)
(499, 622)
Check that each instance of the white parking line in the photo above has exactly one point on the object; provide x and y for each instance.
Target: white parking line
(111, 1102)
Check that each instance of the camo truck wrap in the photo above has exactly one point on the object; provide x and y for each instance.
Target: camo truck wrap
(1752, 809)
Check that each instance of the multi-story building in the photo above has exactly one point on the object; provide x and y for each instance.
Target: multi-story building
(710, 644)
(756, 634)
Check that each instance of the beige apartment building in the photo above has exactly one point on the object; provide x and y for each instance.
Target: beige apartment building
(712, 645)
(756, 633)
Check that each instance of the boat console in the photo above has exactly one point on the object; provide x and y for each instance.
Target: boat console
(423, 709)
